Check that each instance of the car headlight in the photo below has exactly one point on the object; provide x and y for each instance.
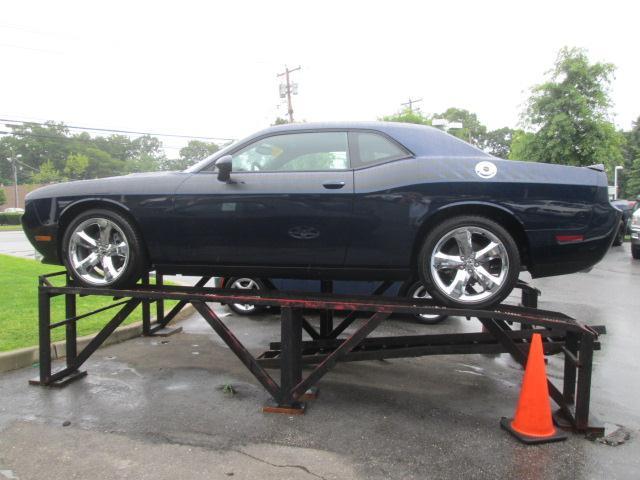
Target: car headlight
(635, 221)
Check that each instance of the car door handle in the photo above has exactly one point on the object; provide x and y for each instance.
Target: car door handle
(333, 185)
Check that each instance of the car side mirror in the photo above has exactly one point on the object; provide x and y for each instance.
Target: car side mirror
(224, 166)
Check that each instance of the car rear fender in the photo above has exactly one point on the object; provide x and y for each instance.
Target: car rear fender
(495, 212)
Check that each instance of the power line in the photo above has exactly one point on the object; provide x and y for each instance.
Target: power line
(36, 135)
(113, 130)
(28, 166)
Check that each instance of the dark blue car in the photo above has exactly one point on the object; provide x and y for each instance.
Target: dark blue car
(361, 201)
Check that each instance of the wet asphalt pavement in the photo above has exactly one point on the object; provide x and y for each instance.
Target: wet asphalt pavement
(155, 408)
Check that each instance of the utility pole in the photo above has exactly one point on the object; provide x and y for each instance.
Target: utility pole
(615, 180)
(288, 90)
(14, 164)
(410, 103)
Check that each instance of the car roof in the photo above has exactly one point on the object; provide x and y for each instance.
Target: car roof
(421, 140)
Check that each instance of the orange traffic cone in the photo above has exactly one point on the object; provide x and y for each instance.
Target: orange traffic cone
(532, 422)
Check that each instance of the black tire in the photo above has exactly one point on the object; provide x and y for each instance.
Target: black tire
(635, 252)
(619, 235)
(416, 290)
(136, 263)
(246, 309)
(481, 224)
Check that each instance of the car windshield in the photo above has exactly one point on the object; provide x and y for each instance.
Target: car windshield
(196, 167)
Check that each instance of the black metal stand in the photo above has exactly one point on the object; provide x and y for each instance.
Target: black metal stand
(560, 333)
(161, 329)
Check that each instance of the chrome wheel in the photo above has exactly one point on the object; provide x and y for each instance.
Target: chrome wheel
(469, 264)
(422, 293)
(98, 251)
(245, 284)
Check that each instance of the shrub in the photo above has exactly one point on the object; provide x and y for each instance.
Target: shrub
(10, 218)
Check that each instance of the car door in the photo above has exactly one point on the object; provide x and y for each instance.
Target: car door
(289, 203)
(387, 203)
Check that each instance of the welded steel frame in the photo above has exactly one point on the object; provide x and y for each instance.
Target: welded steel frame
(561, 334)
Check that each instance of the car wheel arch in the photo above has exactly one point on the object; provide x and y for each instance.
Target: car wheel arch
(71, 211)
(496, 213)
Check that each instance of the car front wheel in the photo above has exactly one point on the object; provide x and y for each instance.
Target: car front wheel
(102, 249)
(469, 261)
(635, 252)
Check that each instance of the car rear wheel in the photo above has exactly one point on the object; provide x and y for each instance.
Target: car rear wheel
(245, 283)
(619, 235)
(418, 290)
(469, 261)
(102, 249)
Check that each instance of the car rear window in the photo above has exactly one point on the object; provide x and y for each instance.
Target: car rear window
(374, 148)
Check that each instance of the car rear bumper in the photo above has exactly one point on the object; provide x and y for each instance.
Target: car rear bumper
(553, 257)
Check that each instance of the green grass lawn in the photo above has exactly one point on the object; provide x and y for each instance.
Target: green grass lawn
(10, 228)
(19, 305)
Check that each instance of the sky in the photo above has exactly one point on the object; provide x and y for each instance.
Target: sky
(210, 68)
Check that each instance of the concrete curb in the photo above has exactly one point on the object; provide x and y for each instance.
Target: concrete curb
(24, 357)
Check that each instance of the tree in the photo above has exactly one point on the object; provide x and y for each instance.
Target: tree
(521, 142)
(280, 121)
(47, 173)
(76, 166)
(3, 197)
(193, 152)
(568, 114)
(101, 164)
(408, 116)
(144, 162)
(41, 143)
(631, 174)
(498, 142)
(472, 130)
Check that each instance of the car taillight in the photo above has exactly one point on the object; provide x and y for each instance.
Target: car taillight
(569, 238)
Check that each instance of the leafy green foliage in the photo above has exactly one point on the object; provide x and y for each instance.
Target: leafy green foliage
(52, 153)
(10, 218)
(498, 142)
(76, 166)
(48, 173)
(408, 116)
(3, 197)
(195, 151)
(630, 184)
(568, 114)
(521, 142)
(472, 130)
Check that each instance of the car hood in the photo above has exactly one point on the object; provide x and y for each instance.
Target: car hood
(133, 183)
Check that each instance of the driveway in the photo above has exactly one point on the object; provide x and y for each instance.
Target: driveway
(156, 408)
(15, 243)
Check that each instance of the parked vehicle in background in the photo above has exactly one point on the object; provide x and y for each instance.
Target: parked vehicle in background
(626, 207)
(13, 210)
(411, 289)
(635, 234)
(351, 201)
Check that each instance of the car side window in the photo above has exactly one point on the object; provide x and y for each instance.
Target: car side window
(374, 148)
(294, 152)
